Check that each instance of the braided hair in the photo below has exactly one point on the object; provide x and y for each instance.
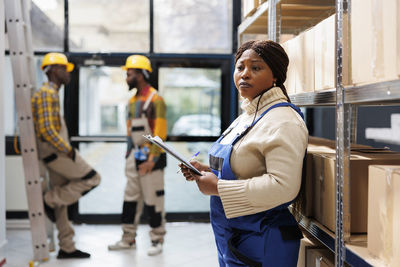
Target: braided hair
(273, 54)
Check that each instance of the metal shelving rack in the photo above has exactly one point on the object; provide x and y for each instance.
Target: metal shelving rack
(272, 17)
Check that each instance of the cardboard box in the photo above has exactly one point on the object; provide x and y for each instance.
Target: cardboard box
(375, 37)
(384, 213)
(300, 74)
(325, 60)
(290, 82)
(307, 200)
(305, 244)
(320, 258)
(305, 62)
(325, 55)
(316, 145)
(324, 186)
(318, 141)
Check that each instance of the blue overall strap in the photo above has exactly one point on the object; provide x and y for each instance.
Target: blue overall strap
(227, 131)
(283, 104)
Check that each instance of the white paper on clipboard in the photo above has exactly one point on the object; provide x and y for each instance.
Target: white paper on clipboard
(159, 142)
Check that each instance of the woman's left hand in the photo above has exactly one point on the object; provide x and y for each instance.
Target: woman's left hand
(208, 183)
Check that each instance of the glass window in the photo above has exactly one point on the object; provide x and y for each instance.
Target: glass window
(193, 26)
(109, 25)
(47, 19)
(103, 96)
(9, 94)
(109, 160)
(193, 99)
(181, 195)
(47, 22)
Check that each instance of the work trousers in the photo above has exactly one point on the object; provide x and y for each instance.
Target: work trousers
(149, 189)
(69, 181)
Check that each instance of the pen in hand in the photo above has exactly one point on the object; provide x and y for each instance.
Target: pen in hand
(192, 158)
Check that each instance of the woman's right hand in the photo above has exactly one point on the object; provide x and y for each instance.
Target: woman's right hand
(200, 166)
(188, 174)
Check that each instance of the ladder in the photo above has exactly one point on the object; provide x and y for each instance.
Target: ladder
(21, 54)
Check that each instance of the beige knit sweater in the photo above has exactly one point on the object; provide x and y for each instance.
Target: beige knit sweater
(267, 161)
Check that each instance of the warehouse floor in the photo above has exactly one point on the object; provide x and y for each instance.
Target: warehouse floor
(186, 244)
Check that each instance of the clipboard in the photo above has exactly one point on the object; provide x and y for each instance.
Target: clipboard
(159, 142)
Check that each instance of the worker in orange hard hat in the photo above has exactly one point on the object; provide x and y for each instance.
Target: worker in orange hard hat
(70, 176)
(145, 163)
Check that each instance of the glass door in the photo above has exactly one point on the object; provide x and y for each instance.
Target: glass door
(96, 103)
(103, 95)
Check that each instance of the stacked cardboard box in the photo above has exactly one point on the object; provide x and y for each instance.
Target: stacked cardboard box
(375, 49)
(384, 213)
(325, 186)
(312, 65)
(290, 83)
(320, 184)
(305, 62)
(375, 37)
(316, 146)
(325, 54)
(301, 73)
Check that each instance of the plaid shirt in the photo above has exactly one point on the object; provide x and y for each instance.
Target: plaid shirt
(46, 117)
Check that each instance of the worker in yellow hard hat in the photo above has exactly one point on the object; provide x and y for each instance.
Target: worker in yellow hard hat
(70, 176)
(137, 62)
(145, 163)
(56, 59)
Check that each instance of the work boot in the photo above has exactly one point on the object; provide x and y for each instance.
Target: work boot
(123, 245)
(155, 248)
(77, 254)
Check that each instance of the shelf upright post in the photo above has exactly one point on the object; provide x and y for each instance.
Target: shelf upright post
(348, 73)
(343, 129)
(272, 20)
(278, 20)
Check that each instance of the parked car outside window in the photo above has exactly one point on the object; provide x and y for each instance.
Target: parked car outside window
(197, 125)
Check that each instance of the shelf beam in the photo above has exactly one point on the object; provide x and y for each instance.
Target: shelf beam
(381, 93)
(327, 238)
(318, 3)
(322, 98)
(376, 93)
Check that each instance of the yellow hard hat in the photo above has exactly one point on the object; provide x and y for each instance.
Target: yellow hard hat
(56, 59)
(137, 62)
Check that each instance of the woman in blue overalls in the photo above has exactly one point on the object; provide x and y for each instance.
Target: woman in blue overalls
(255, 167)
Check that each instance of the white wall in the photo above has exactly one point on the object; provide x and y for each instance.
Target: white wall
(16, 199)
(3, 240)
